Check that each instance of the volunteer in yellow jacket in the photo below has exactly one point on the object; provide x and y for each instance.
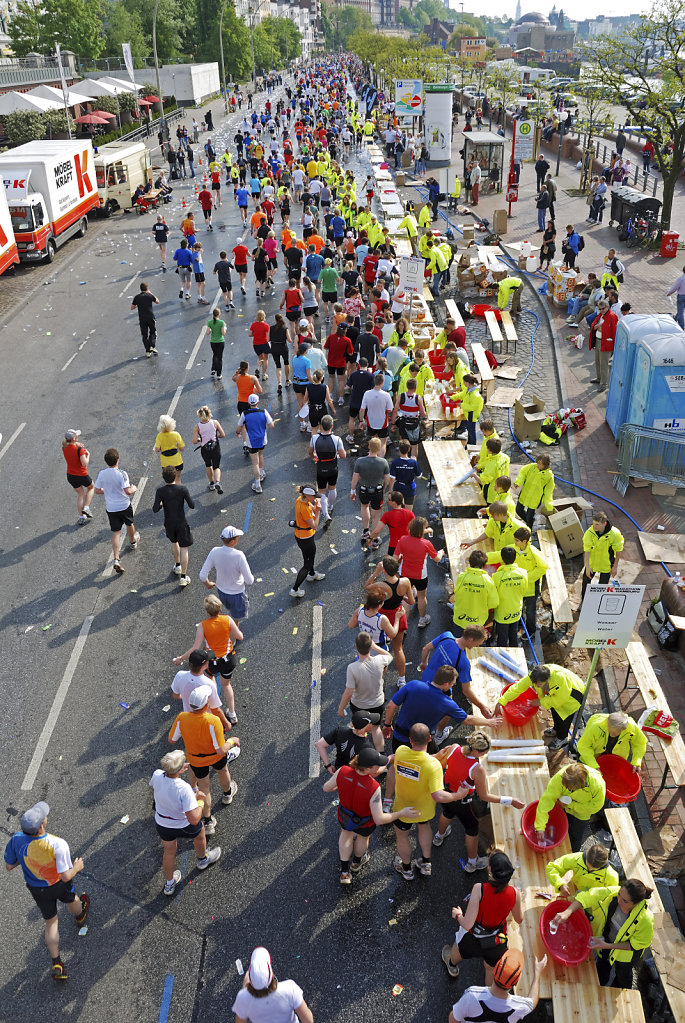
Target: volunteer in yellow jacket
(454, 194)
(622, 928)
(471, 405)
(487, 428)
(500, 528)
(602, 546)
(409, 224)
(581, 792)
(511, 582)
(531, 559)
(588, 870)
(558, 690)
(494, 464)
(510, 286)
(536, 483)
(501, 490)
(612, 733)
(424, 220)
(475, 595)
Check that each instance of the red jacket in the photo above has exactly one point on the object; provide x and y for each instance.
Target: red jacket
(609, 325)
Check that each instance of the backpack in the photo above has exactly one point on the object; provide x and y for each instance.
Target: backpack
(581, 243)
(617, 269)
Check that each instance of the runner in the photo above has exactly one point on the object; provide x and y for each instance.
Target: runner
(261, 269)
(240, 256)
(413, 550)
(360, 809)
(306, 522)
(264, 997)
(216, 328)
(325, 448)
(259, 331)
(247, 384)
(199, 271)
(254, 422)
(114, 483)
(183, 257)
(364, 687)
(233, 574)
(222, 270)
(370, 618)
(497, 1002)
(185, 682)
(77, 458)
(302, 375)
(160, 232)
(178, 813)
(372, 476)
(170, 445)
(377, 406)
(398, 595)
(172, 497)
(48, 870)
(318, 396)
(280, 340)
(408, 412)
(242, 196)
(205, 200)
(219, 634)
(339, 348)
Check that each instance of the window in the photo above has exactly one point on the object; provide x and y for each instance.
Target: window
(100, 177)
(21, 218)
(121, 173)
(38, 215)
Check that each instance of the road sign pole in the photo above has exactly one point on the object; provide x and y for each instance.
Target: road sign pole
(579, 713)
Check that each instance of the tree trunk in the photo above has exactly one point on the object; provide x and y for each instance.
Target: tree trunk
(670, 181)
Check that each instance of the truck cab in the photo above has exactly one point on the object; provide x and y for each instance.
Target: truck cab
(31, 227)
(119, 169)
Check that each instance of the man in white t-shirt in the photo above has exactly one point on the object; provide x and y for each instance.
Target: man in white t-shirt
(377, 404)
(282, 1003)
(185, 681)
(114, 483)
(178, 812)
(496, 1003)
(364, 687)
(298, 182)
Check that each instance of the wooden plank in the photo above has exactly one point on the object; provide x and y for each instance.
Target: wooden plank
(556, 584)
(436, 413)
(458, 531)
(572, 1003)
(652, 693)
(486, 376)
(509, 328)
(427, 294)
(448, 463)
(493, 327)
(453, 311)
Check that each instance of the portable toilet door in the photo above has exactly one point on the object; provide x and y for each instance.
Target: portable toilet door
(657, 397)
(630, 331)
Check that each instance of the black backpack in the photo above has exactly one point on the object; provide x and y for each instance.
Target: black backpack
(581, 243)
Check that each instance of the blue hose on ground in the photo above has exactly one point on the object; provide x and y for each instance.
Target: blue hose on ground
(530, 642)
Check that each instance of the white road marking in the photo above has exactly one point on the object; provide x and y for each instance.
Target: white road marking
(196, 347)
(122, 293)
(57, 703)
(109, 567)
(12, 439)
(315, 707)
(175, 400)
(71, 358)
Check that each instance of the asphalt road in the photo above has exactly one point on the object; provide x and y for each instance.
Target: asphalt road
(146, 957)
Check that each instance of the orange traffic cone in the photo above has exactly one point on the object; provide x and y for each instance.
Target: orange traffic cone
(183, 202)
(196, 190)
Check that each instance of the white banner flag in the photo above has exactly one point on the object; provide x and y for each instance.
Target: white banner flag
(128, 61)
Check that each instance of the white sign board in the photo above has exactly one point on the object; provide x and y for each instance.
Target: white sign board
(524, 140)
(676, 382)
(411, 274)
(608, 615)
(674, 425)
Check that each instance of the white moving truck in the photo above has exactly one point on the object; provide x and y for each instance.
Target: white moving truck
(8, 246)
(119, 168)
(50, 189)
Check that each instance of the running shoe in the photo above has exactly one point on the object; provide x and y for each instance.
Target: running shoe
(452, 969)
(257, 487)
(327, 522)
(243, 290)
(471, 866)
(211, 486)
(118, 567)
(148, 355)
(423, 622)
(210, 825)
(425, 869)
(87, 512)
(211, 857)
(375, 544)
(178, 570)
(180, 294)
(438, 839)
(345, 877)
(296, 593)
(279, 390)
(184, 580)
(59, 971)
(81, 520)
(408, 875)
(441, 736)
(356, 867)
(316, 577)
(85, 907)
(227, 797)
(134, 542)
(154, 351)
(262, 474)
(219, 489)
(170, 886)
(231, 305)
(341, 402)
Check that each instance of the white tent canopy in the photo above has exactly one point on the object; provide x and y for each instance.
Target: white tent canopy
(10, 102)
(48, 92)
(119, 84)
(91, 87)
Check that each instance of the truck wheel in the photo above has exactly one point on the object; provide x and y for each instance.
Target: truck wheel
(106, 210)
(50, 250)
(83, 228)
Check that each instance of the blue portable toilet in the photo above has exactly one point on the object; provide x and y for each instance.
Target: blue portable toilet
(657, 394)
(630, 331)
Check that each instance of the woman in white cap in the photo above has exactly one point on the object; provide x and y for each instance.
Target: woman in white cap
(265, 999)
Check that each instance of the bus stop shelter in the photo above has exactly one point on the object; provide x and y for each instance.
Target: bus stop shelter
(487, 149)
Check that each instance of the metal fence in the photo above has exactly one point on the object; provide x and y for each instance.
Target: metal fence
(147, 130)
(649, 454)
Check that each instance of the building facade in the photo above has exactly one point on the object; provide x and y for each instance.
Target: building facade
(473, 47)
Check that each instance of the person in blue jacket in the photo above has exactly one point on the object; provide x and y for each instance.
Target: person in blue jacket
(183, 258)
(570, 246)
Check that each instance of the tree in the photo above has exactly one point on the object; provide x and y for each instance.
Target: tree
(657, 41)
(502, 88)
(345, 21)
(125, 26)
(55, 123)
(24, 126)
(74, 24)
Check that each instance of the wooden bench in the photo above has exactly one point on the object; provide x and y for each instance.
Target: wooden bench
(634, 863)
(572, 1003)
(487, 380)
(652, 693)
(453, 311)
(495, 332)
(427, 294)
(448, 462)
(556, 584)
(458, 531)
(509, 329)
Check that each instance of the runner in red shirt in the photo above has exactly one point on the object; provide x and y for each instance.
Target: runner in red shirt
(414, 550)
(216, 187)
(240, 254)
(338, 346)
(397, 519)
(205, 200)
(370, 265)
(260, 342)
(77, 458)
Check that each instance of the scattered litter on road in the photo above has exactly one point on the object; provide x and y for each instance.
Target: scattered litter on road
(242, 660)
(295, 631)
(125, 819)
(398, 989)
(82, 932)
(28, 629)
(392, 923)
(238, 966)
(167, 708)
(271, 595)
(45, 627)
(259, 579)
(126, 706)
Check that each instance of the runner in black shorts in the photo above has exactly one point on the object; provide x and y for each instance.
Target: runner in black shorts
(326, 448)
(279, 336)
(173, 497)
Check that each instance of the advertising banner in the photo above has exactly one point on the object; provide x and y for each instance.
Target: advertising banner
(408, 97)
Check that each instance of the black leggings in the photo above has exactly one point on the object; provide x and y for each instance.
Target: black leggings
(623, 976)
(526, 514)
(308, 547)
(562, 726)
(604, 578)
(217, 357)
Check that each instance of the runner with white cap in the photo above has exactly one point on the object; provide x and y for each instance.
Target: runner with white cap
(255, 421)
(306, 522)
(233, 573)
(265, 999)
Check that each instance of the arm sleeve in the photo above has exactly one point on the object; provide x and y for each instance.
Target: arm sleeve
(206, 568)
(156, 504)
(517, 689)
(175, 732)
(556, 870)
(62, 855)
(585, 750)
(187, 498)
(249, 578)
(547, 801)
(10, 855)
(349, 677)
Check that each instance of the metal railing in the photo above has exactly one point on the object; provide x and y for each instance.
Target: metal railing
(650, 454)
(147, 130)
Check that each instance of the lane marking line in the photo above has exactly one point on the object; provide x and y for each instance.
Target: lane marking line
(248, 513)
(196, 348)
(68, 362)
(109, 567)
(12, 439)
(166, 999)
(122, 293)
(57, 703)
(315, 707)
(175, 400)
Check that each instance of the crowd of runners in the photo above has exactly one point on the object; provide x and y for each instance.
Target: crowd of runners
(335, 333)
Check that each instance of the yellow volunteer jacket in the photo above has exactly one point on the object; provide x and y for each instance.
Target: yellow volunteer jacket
(491, 467)
(394, 339)
(422, 377)
(375, 234)
(584, 802)
(502, 533)
(505, 289)
(471, 403)
(599, 548)
(435, 258)
(565, 691)
(483, 453)
(511, 582)
(535, 565)
(423, 246)
(584, 877)
(474, 596)
(456, 189)
(537, 487)
(424, 216)
(599, 905)
(409, 224)
(631, 743)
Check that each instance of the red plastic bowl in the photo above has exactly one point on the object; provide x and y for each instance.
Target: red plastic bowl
(570, 944)
(623, 785)
(520, 711)
(556, 830)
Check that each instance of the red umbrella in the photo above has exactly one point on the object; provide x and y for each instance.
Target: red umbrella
(152, 99)
(90, 119)
(104, 113)
(144, 103)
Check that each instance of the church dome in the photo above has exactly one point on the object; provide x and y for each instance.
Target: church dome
(533, 18)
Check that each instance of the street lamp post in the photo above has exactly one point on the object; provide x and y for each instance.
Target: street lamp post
(251, 15)
(221, 47)
(154, 50)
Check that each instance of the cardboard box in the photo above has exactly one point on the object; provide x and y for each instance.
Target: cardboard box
(399, 179)
(469, 232)
(664, 490)
(568, 532)
(579, 505)
(528, 418)
(499, 221)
